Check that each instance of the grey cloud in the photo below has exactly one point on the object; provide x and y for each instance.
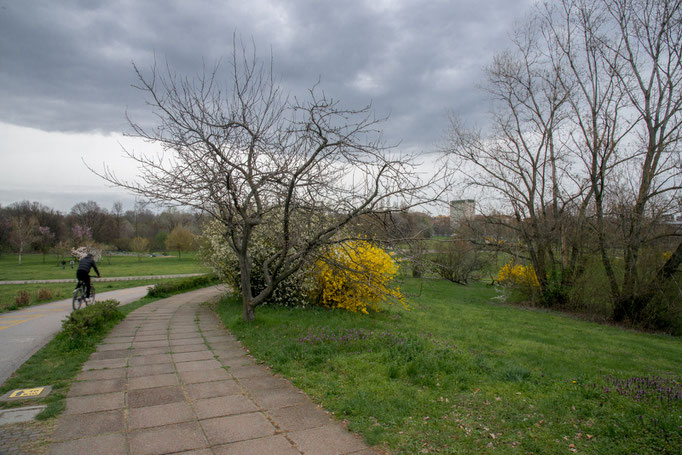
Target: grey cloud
(66, 66)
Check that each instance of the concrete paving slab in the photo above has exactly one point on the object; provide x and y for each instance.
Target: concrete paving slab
(249, 371)
(95, 375)
(223, 430)
(18, 415)
(265, 382)
(223, 406)
(149, 370)
(162, 336)
(192, 377)
(157, 380)
(279, 398)
(152, 397)
(212, 389)
(94, 403)
(149, 344)
(95, 387)
(275, 445)
(110, 444)
(155, 416)
(192, 356)
(327, 440)
(198, 365)
(196, 452)
(91, 424)
(112, 347)
(299, 417)
(149, 351)
(167, 439)
(117, 339)
(188, 348)
(150, 359)
(186, 341)
(105, 364)
(112, 354)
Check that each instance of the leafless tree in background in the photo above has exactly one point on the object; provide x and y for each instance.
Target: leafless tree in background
(624, 62)
(586, 132)
(521, 161)
(255, 159)
(24, 232)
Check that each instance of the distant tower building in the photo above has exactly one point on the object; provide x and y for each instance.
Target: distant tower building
(460, 210)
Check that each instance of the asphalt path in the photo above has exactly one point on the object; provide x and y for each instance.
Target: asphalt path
(24, 332)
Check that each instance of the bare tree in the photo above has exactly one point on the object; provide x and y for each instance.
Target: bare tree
(45, 240)
(623, 59)
(651, 76)
(521, 163)
(587, 133)
(139, 245)
(24, 231)
(255, 159)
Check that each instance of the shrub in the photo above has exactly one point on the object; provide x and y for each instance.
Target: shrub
(185, 284)
(45, 294)
(217, 254)
(356, 276)
(22, 298)
(459, 261)
(520, 278)
(91, 320)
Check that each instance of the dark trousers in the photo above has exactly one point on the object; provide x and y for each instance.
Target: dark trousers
(83, 276)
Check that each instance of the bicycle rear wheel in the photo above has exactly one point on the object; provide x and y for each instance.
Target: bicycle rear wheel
(77, 298)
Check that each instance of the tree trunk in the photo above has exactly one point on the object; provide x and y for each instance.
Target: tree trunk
(247, 296)
(249, 313)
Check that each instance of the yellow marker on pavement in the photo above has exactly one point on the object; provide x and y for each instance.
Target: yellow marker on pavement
(21, 393)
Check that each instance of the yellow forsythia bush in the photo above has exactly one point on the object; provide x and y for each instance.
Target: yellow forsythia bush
(356, 276)
(518, 275)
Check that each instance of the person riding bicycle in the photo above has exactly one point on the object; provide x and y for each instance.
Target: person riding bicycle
(84, 266)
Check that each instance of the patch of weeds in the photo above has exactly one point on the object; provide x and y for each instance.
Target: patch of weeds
(515, 374)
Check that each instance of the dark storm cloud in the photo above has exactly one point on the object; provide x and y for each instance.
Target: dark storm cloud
(66, 65)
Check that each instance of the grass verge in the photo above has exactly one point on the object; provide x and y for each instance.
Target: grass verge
(59, 362)
(458, 374)
(45, 293)
(33, 268)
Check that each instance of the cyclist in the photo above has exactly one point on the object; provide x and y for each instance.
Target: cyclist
(84, 266)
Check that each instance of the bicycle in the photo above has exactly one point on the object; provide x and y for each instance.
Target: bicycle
(79, 295)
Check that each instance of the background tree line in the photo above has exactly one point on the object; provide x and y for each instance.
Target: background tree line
(32, 227)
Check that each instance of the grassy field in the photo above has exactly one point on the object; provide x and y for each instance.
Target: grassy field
(59, 291)
(33, 268)
(459, 374)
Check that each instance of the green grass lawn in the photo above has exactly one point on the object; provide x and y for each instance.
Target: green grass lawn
(33, 268)
(459, 374)
(59, 291)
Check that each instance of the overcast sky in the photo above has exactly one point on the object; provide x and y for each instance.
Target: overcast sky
(66, 73)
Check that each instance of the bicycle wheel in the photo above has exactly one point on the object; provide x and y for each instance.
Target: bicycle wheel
(90, 300)
(77, 298)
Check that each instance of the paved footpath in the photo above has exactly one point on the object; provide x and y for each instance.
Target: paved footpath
(170, 379)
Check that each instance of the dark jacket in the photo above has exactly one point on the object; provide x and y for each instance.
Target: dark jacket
(86, 264)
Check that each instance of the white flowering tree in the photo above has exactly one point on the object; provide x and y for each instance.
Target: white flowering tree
(257, 160)
(82, 251)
